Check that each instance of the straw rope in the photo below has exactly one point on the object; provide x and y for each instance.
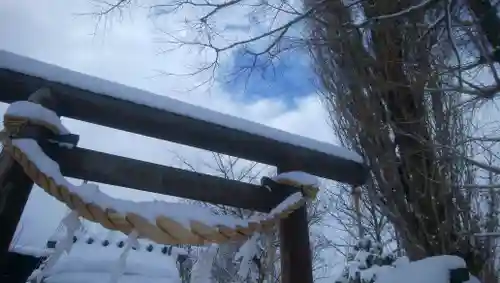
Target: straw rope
(164, 231)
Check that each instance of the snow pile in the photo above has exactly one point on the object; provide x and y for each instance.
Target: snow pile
(307, 183)
(36, 112)
(368, 264)
(299, 177)
(429, 270)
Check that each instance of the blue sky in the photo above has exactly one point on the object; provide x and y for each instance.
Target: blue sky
(287, 77)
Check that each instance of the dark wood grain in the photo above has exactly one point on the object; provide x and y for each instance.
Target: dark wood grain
(295, 246)
(124, 115)
(125, 172)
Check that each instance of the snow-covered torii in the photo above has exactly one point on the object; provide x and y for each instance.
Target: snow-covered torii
(38, 141)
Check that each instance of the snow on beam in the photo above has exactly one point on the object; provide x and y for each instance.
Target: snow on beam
(117, 106)
(115, 170)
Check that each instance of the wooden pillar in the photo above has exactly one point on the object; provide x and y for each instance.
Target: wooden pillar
(15, 185)
(295, 248)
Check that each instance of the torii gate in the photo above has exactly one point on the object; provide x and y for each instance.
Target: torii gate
(71, 94)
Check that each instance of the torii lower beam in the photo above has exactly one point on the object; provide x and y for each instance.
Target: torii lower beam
(86, 164)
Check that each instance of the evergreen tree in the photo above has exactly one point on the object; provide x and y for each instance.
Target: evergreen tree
(362, 263)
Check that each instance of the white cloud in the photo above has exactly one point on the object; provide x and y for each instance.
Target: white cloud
(126, 52)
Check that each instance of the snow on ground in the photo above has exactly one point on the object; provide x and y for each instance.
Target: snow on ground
(429, 270)
(54, 73)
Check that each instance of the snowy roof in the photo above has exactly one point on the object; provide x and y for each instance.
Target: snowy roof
(95, 263)
(104, 238)
(94, 236)
(96, 251)
(339, 156)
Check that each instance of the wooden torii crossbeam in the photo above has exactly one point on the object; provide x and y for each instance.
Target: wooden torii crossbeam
(97, 101)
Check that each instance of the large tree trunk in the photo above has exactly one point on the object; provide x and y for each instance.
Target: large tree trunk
(486, 14)
(380, 107)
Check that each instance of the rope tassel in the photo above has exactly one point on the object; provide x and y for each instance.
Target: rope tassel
(122, 260)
